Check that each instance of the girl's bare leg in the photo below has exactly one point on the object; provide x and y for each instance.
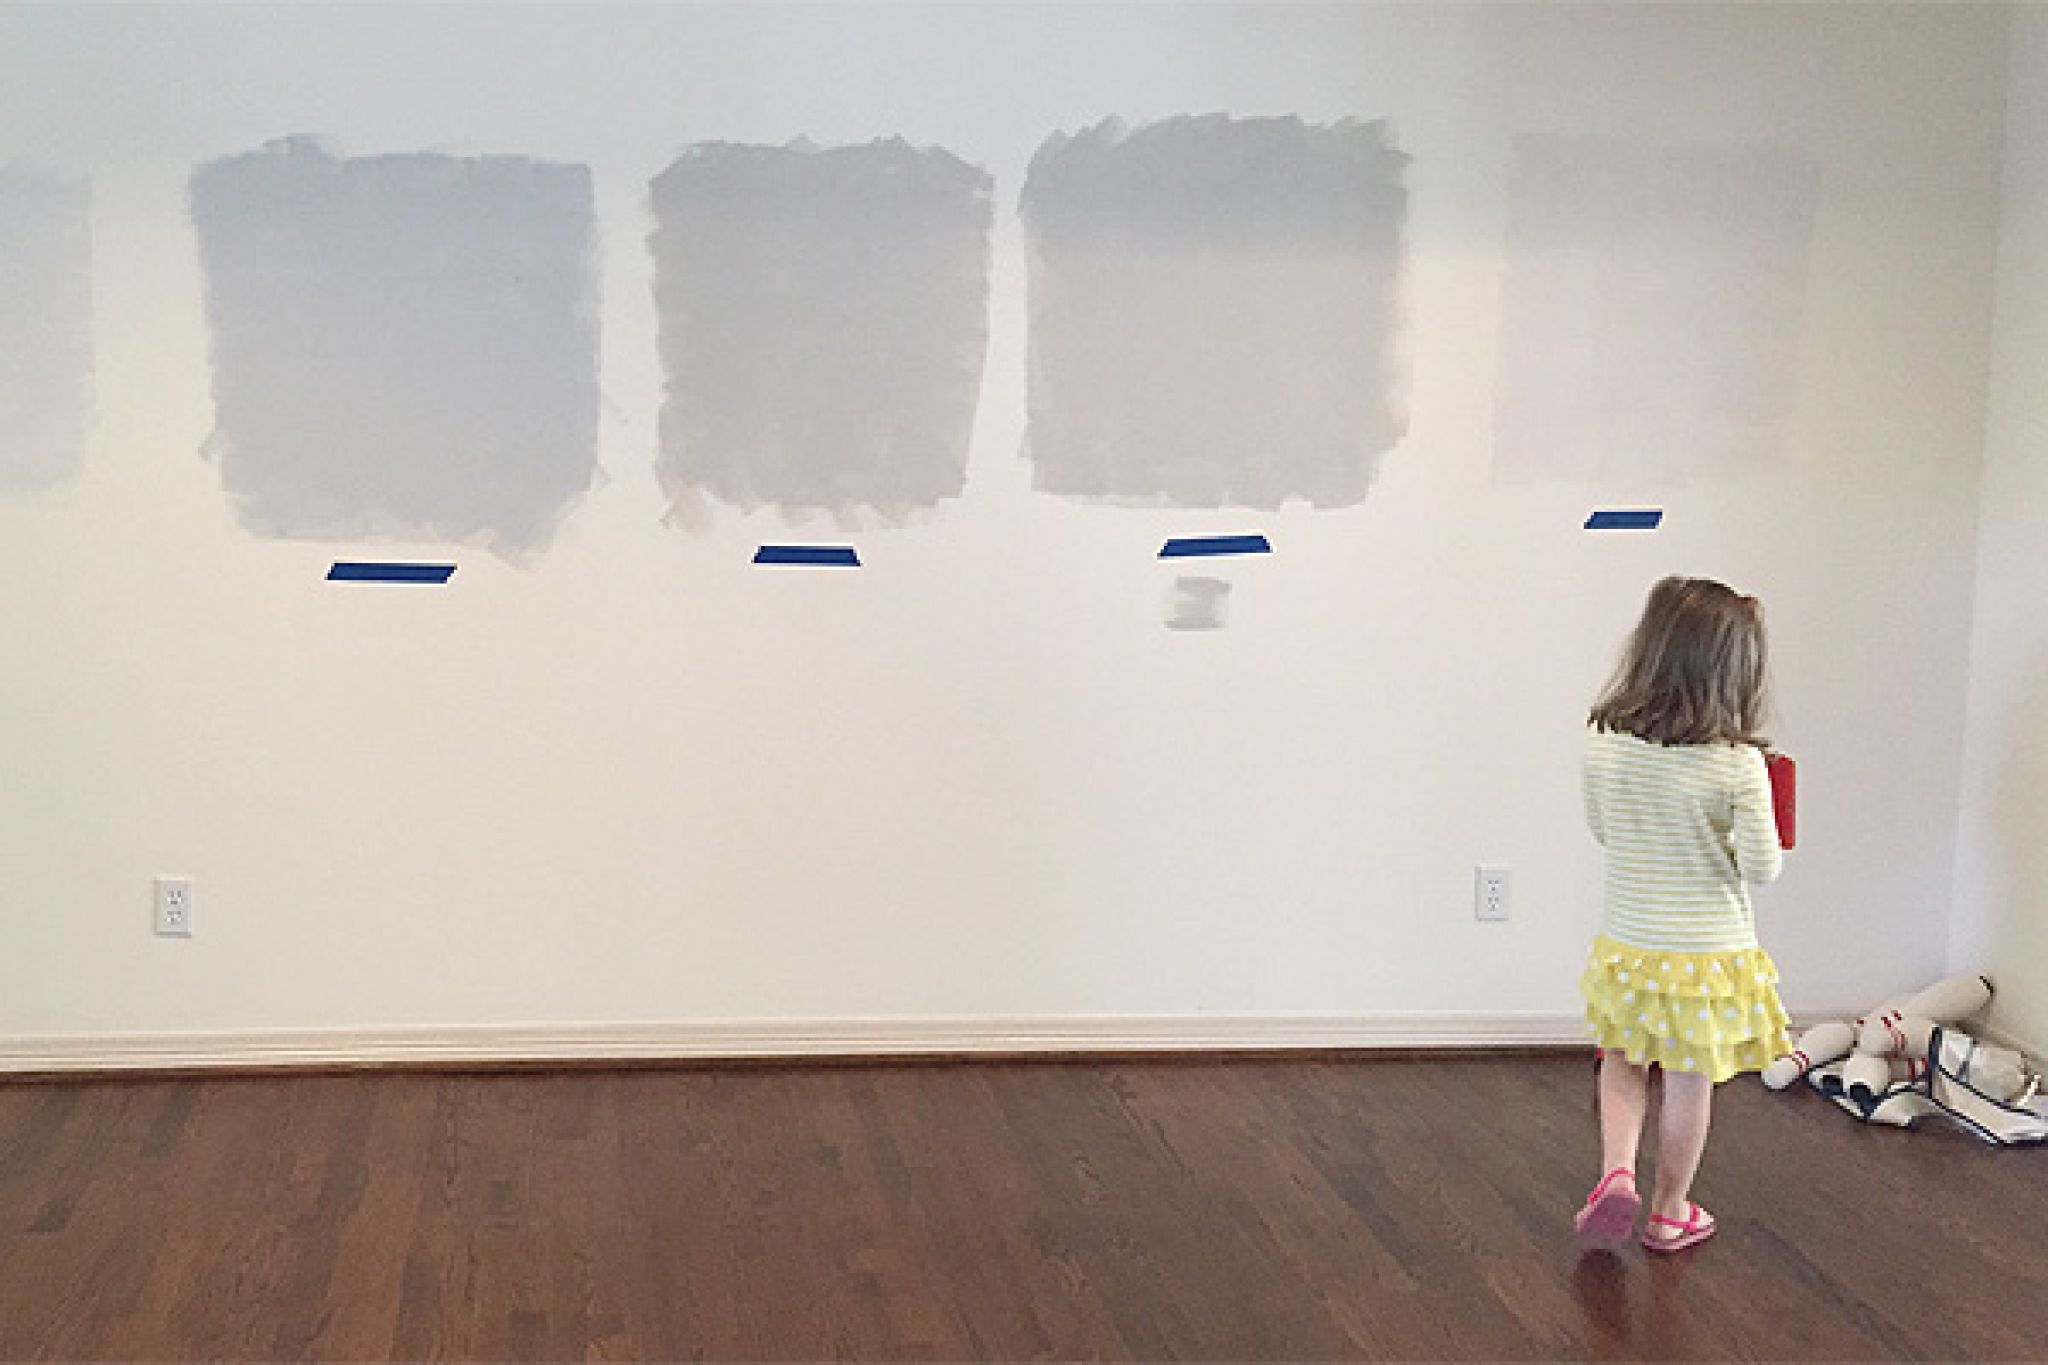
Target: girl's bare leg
(1682, 1120)
(1624, 1099)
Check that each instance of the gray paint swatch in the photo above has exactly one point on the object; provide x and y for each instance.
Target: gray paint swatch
(1651, 309)
(403, 346)
(823, 323)
(1197, 604)
(46, 360)
(1215, 311)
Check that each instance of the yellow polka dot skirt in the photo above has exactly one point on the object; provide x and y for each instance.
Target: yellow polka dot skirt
(1711, 1013)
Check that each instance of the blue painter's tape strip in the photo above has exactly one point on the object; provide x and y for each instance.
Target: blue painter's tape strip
(1626, 519)
(831, 556)
(1192, 547)
(347, 572)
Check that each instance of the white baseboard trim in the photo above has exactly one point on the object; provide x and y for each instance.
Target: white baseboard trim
(790, 1039)
(736, 1040)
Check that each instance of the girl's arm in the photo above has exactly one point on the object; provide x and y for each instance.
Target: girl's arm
(1758, 856)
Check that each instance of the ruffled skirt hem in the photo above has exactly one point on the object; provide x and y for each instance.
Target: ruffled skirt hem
(1715, 1014)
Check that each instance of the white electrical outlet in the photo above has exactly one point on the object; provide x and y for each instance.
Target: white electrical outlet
(1490, 893)
(174, 907)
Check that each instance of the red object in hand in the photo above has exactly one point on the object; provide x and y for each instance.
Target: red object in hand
(1784, 796)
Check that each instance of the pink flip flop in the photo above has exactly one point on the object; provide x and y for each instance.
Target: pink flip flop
(1698, 1227)
(1610, 1212)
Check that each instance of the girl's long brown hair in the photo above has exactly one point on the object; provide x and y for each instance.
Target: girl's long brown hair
(1694, 671)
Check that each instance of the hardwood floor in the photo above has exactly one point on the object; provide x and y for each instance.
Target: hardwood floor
(1244, 1210)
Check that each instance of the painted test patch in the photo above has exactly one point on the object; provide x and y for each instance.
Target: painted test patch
(1214, 310)
(404, 346)
(824, 323)
(1651, 310)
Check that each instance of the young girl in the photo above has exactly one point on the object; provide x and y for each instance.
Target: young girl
(1678, 794)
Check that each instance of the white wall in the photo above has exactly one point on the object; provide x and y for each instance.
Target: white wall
(641, 782)
(2001, 920)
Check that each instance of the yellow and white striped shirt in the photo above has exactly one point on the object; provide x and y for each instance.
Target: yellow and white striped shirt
(1688, 829)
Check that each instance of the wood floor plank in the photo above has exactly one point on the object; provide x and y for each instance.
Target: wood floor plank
(1320, 1209)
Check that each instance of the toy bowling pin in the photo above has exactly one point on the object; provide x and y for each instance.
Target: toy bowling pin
(1892, 1032)
(1818, 1045)
(1948, 1001)
(1865, 1076)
